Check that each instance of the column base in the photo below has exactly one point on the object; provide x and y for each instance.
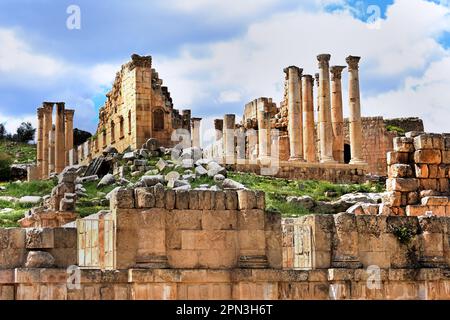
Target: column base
(357, 161)
(328, 160)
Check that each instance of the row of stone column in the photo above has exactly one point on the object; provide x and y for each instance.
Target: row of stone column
(301, 125)
(54, 141)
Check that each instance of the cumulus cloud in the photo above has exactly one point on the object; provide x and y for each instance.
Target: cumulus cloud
(403, 47)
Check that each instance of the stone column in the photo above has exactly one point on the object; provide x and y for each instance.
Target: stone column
(316, 76)
(309, 143)
(51, 150)
(47, 128)
(40, 142)
(263, 118)
(195, 132)
(68, 133)
(355, 110)
(325, 129)
(295, 117)
(337, 115)
(218, 146)
(60, 151)
(229, 123)
(240, 144)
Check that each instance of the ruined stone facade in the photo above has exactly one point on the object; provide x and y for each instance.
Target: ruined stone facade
(223, 245)
(290, 132)
(137, 108)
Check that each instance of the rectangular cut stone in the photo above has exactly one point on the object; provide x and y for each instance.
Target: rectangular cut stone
(428, 184)
(122, 199)
(40, 238)
(402, 184)
(392, 198)
(399, 170)
(403, 144)
(421, 170)
(435, 201)
(429, 141)
(394, 157)
(446, 157)
(428, 156)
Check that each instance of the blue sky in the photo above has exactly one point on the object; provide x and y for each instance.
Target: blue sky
(217, 55)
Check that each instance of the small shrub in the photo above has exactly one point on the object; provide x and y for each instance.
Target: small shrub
(403, 234)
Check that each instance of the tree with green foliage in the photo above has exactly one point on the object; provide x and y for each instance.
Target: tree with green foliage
(2, 131)
(25, 132)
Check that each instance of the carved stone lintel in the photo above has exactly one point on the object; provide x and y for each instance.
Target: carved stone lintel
(253, 262)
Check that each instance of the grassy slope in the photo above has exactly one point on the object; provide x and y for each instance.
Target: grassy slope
(276, 192)
(20, 152)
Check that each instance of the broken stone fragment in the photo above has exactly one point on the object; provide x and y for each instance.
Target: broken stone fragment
(306, 202)
(231, 184)
(161, 164)
(39, 259)
(107, 180)
(201, 171)
(150, 181)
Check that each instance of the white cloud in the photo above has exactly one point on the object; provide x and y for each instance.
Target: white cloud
(403, 47)
(229, 96)
(13, 122)
(17, 57)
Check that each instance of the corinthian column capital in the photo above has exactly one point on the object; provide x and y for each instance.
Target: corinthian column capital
(353, 62)
(336, 72)
(324, 60)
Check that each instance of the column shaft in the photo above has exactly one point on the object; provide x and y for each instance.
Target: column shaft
(196, 132)
(229, 123)
(51, 151)
(40, 142)
(68, 133)
(337, 116)
(309, 143)
(325, 129)
(60, 151)
(47, 127)
(355, 111)
(295, 115)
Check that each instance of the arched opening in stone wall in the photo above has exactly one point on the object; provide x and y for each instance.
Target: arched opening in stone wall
(158, 120)
(113, 132)
(347, 153)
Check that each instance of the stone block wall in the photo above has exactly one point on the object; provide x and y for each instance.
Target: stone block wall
(337, 173)
(418, 174)
(195, 229)
(17, 243)
(353, 241)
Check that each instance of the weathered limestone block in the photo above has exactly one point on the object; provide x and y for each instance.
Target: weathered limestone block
(432, 238)
(446, 156)
(435, 201)
(39, 259)
(428, 184)
(194, 203)
(219, 203)
(219, 220)
(247, 199)
(122, 199)
(422, 170)
(429, 156)
(159, 192)
(345, 242)
(252, 219)
(403, 144)
(40, 238)
(402, 184)
(429, 141)
(170, 199)
(182, 199)
(231, 200)
(392, 198)
(400, 171)
(144, 198)
(416, 210)
(394, 157)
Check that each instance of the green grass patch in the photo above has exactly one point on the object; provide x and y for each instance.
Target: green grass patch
(20, 152)
(277, 190)
(10, 220)
(392, 128)
(34, 188)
